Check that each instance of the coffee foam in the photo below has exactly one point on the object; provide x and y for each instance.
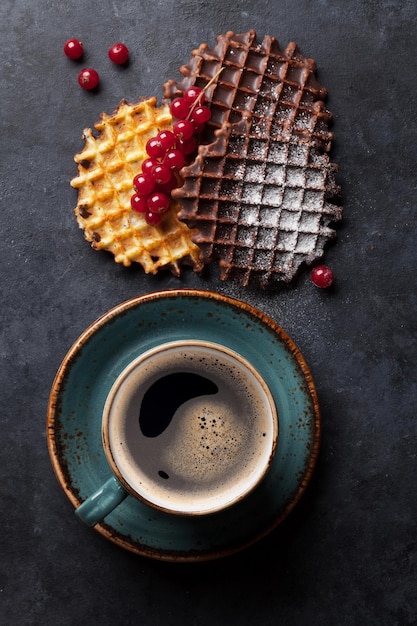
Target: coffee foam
(212, 449)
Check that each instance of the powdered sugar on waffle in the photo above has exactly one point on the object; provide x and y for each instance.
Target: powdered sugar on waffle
(262, 191)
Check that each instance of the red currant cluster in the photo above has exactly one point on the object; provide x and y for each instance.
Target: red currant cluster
(88, 78)
(167, 152)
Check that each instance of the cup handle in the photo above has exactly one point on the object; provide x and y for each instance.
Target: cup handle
(101, 502)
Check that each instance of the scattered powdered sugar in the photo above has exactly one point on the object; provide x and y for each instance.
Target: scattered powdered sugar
(264, 107)
(309, 222)
(295, 177)
(304, 121)
(272, 196)
(234, 168)
(315, 179)
(257, 150)
(289, 220)
(254, 172)
(298, 154)
(246, 236)
(292, 198)
(251, 193)
(286, 240)
(278, 151)
(305, 243)
(275, 174)
(270, 205)
(249, 215)
(269, 216)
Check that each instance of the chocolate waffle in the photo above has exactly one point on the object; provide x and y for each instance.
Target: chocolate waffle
(111, 158)
(261, 192)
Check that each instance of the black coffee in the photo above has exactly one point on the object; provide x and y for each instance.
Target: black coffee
(166, 395)
(190, 426)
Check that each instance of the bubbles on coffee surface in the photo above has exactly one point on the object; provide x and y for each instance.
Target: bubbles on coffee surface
(215, 438)
(207, 443)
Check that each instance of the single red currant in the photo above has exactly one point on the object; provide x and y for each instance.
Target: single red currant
(179, 108)
(167, 139)
(73, 49)
(174, 159)
(158, 202)
(322, 276)
(183, 129)
(154, 148)
(153, 218)
(148, 165)
(161, 173)
(118, 53)
(88, 78)
(170, 185)
(144, 184)
(201, 115)
(194, 93)
(198, 128)
(188, 146)
(139, 203)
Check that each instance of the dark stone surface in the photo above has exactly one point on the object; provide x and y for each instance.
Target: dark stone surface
(347, 554)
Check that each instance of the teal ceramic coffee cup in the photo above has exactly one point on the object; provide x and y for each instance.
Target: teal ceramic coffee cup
(189, 427)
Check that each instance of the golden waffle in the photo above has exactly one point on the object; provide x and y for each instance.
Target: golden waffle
(262, 190)
(106, 168)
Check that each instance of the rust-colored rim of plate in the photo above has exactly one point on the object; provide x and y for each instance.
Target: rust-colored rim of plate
(104, 529)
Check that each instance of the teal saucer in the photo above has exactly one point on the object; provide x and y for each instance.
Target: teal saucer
(96, 359)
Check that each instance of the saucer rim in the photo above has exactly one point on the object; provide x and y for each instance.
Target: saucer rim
(104, 528)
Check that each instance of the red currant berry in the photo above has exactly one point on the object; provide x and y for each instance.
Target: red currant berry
(118, 53)
(148, 165)
(144, 184)
(154, 148)
(322, 276)
(161, 173)
(88, 78)
(179, 108)
(167, 139)
(158, 202)
(198, 128)
(183, 129)
(73, 49)
(139, 203)
(201, 115)
(174, 159)
(194, 93)
(153, 218)
(188, 146)
(170, 185)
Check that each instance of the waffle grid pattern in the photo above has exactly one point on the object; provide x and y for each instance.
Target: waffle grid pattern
(277, 89)
(263, 193)
(262, 231)
(106, 167)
